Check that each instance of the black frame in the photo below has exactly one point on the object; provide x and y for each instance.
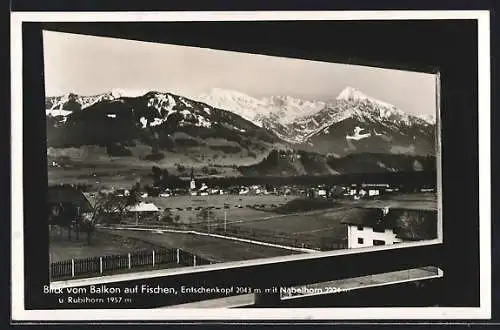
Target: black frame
(449, 46)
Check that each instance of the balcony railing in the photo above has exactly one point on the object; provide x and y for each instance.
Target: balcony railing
(260, 277)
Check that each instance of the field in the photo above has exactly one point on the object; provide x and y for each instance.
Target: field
(247, 217)
(237, 206)
(218, 200)
(92, 165)
(317, 229)
(102, 244)
(320, 229)
(99, 175)
(318, 224)
(216, 249)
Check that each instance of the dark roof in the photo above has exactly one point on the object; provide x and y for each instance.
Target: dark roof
(68, 194)
(407, 224)
(362, 217)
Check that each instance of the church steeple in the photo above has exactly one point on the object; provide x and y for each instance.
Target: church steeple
(192, 185)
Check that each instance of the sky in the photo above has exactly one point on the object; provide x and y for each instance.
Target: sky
(89, 65)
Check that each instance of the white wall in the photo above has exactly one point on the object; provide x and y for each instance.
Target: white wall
(368, 235)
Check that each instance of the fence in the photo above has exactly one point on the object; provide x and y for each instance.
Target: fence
(303, 241)
(275, 237)
(142, 260)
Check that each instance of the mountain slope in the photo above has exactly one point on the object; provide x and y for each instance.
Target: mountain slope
(161, 121)
(74, 102)
(359, 124)
(292, 163)
(353, 123)
(285, 136)
(280, 109)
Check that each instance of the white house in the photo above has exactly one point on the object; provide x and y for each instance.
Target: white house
(372, 227)
(166, 193)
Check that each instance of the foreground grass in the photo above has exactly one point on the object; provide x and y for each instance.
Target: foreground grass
(102, 243)
(217, 249)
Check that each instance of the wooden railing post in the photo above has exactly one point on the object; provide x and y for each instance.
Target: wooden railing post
(194, 260)
(129, 261)
(72, 267)
(153, 258)
(100, 265)
(178, 257)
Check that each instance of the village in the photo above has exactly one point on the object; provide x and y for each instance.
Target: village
(205, 222)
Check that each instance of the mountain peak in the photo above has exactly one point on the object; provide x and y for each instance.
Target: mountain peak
(217, 92)
(350, 93)
(121, 92)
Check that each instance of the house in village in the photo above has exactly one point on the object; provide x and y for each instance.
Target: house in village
(143, 211)
(203, 191)
(166, 193)
(374, 189)
(365, 190)
(66, 205)
(375, 226)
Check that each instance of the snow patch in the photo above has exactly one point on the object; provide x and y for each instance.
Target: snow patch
(186, 103)
(203, 122)
(157, 121)
(144, 122)
(186, 113)
(358, 135)
(111, 115)
(54, 113)
(380, 164)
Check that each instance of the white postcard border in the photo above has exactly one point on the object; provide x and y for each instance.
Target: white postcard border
(17, 294)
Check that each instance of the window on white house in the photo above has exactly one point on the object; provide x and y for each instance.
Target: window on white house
(379, 230)
(378, 242)
(360, 240)
(360, 227)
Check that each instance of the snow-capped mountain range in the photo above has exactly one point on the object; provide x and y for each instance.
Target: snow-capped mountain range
(62, 105)
(352, 123)
(282, 109)
(161, 121)
(296, 121)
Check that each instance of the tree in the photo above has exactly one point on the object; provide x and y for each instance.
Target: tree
(65, 215)
(156, 173)
(106, 206)
(134, 194)
(166, 217)
(180, 168)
